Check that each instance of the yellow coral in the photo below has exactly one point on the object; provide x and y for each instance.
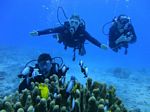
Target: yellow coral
(44, 90)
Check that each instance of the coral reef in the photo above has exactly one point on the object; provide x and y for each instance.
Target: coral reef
(51, 96)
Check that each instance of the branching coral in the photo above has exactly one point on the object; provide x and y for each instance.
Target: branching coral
(96, 97)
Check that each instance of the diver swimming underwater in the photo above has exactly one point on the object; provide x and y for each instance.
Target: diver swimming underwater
(72, 34)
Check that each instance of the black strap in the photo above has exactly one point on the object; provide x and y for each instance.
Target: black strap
(74, 54)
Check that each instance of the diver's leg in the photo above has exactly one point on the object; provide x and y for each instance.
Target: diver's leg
(65, 47)
(126, 48)
(115, 49)
(113, 46)
(82, 50)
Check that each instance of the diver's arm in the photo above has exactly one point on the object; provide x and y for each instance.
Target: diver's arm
(92, 40)
(51, 30)
(27, 72)
(129, 37)
(48, 31)
(123, 38)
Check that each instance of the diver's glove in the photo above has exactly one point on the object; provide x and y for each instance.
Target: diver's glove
(34, 33)
(35, 72)
(103, 46)
(123, 38)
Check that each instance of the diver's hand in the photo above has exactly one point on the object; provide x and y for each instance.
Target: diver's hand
(129, 38)
(103, 46)
(34, 33)
(122, 38)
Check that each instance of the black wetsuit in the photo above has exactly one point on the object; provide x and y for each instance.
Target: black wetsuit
(114, 34)
(26, 83)
(74, 41)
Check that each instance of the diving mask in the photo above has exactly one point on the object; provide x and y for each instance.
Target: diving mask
(74, 24)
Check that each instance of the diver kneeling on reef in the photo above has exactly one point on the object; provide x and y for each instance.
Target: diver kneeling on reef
(45, 68)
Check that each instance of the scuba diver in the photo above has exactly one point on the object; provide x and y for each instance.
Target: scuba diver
(121, 33)
(72, 34)
(46, 66)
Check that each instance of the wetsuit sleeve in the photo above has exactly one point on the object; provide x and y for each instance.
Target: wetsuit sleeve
(92, 39)
(59, 29)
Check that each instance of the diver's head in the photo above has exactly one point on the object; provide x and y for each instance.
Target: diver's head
(123, 19)
(74, 22)
(44, 63)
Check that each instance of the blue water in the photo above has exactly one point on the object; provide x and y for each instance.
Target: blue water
(19, 17)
